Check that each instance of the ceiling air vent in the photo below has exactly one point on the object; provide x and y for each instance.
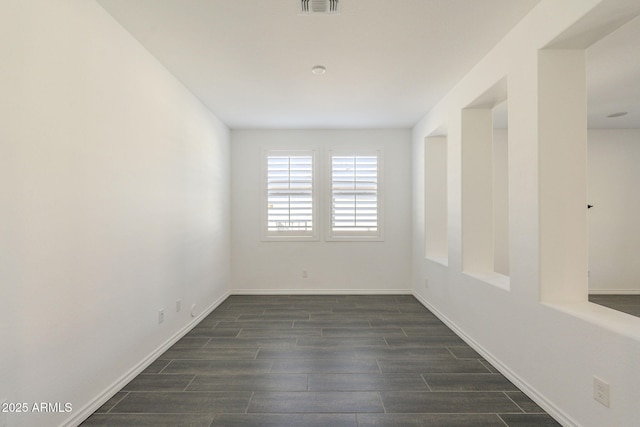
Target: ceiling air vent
(319, 7)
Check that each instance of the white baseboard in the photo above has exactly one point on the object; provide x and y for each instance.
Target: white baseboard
(614, 291)
(532, 393)
(322, 292)
(107, 394)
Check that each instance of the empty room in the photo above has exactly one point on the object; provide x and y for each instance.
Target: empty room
(319, 213)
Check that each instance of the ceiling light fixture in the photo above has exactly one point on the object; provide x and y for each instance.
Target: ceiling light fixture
(318, 69)
(620, 114)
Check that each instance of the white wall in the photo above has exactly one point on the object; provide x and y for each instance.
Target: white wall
(540, 331)
(501, 201)
(114, 194)
(614, 229)
(264, 267)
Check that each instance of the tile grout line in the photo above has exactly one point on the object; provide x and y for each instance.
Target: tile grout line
(165, 366)
(384, 410)
(484, 364)
(246, 411)
(187, 386)
(514, 402)
(454, 356)
(503, 421)
(426, 382)
(126, 393)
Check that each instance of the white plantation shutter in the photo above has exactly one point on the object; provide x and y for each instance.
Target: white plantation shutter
(290, 194)
(354, 195)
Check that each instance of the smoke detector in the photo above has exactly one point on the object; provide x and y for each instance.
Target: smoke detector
(319, 7)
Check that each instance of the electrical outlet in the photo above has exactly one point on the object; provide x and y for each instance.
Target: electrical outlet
(601, 391)
(161, 316)
(178, 305)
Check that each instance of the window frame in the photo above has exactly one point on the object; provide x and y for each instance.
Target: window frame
(295, 235)
(353, 235)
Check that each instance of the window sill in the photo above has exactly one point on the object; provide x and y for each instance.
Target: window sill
(289, 239)
(498, 280)
(607, 318)
(438, 260)
(354, 239)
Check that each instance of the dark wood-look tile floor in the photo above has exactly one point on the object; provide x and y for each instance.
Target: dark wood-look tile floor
(346, 360)
(629, 304)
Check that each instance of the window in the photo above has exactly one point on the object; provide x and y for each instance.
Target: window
(290, 196)
(355, 197)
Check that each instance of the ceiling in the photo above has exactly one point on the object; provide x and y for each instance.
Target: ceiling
(388, 61)
(613, 78)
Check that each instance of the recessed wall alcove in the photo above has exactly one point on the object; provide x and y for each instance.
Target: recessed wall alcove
(436, 188)
(485, 187)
